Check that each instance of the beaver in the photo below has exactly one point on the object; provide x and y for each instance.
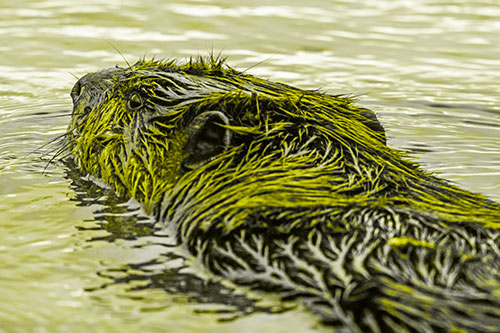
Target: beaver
(291, 191)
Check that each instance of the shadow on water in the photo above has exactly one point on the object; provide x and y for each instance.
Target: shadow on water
(125, 221)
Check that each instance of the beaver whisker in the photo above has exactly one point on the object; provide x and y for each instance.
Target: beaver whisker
(57, 140)
(56, 149)
(74, 75)
(58, 153)
(60, 115)
(119, 52)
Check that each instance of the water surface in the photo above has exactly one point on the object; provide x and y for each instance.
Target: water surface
(73, 257)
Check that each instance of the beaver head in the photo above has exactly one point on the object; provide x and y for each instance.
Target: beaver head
(141, 128)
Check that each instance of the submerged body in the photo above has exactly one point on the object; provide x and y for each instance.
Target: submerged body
(292, 191)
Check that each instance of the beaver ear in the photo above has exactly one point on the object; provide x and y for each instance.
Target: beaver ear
(206, 138)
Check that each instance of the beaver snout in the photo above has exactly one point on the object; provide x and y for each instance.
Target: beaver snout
(94, 84)
(76, 91)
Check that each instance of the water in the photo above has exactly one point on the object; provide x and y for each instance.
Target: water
(69, 260)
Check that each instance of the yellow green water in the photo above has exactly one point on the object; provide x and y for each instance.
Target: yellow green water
(430, 69)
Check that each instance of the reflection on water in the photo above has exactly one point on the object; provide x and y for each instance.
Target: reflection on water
(74, 257)
(158, 262)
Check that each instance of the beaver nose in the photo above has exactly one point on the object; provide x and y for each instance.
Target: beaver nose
(97, 82)
(76, 91)
(84, 83)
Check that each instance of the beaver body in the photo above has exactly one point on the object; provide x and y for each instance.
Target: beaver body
(293, 191)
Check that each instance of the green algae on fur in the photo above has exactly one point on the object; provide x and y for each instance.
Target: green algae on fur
(293, 191)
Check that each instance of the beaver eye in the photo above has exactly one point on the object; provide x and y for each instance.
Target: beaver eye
(135, 102)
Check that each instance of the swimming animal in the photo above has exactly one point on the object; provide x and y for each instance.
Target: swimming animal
(292, 191)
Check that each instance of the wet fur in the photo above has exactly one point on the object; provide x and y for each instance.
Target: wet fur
(293, 191)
